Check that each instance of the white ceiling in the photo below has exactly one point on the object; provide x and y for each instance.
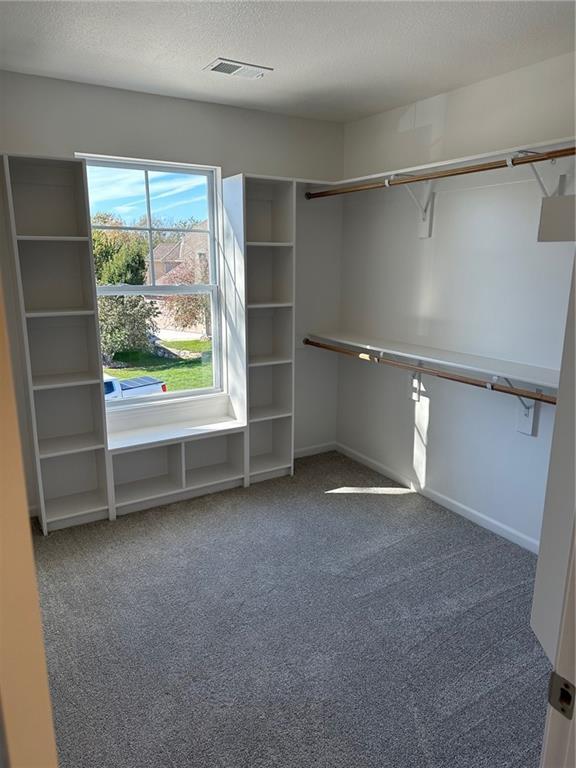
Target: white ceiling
(332, 60)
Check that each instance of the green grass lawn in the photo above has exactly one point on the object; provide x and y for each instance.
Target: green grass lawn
(196, 345)
(176, 374)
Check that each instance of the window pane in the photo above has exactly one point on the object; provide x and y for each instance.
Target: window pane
(121, 257)
(178, 200)
(155, 345)
(181, 258)
(117, 196)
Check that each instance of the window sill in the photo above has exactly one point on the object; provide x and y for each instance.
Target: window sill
(149, 424)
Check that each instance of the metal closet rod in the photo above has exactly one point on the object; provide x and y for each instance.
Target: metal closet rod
(395, 181)
(440, 374)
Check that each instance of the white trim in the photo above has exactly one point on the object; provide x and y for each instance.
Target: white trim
(312, 450)
(123, 289)
(137, 162)
(213, 184)
(445, 501)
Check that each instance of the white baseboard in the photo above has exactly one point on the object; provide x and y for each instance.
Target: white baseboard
(445, 501)
(311, 450)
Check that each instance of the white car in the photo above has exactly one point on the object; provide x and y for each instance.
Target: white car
(122, 389)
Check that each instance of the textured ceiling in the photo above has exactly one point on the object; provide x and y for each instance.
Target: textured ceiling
(332, 60)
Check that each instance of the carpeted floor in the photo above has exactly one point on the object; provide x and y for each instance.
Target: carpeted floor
(285, 626)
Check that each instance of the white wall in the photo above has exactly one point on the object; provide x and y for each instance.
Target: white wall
(483, 285)
(55, 117)
(318, 257)
(527, 106)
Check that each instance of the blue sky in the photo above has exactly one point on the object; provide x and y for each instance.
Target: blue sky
(121, 191)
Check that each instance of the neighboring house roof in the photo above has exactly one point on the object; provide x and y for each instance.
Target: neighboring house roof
(185, 261)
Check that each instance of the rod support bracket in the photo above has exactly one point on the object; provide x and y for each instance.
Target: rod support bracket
(425, 210)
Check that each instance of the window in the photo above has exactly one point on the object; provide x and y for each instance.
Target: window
(156, 278)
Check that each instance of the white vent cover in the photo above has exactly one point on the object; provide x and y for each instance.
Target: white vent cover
(238, 69)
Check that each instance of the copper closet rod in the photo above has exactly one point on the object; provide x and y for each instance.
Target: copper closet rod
(396, 181)
(440, 374)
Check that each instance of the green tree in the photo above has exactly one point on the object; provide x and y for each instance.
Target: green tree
(125, 266)
(126, 323)
(120, 258)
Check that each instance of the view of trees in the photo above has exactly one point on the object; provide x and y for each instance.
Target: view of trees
(128, 322)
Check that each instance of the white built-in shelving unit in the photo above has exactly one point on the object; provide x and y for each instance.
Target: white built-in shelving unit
(86, 462)
(54, 282)
(269, 206)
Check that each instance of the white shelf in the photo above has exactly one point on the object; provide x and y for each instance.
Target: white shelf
(57, 380)
(268, 412)
(48, 198)
(516, 372)
(260, 360)
(270, 305)
(270, 445)
(261, 244)
(60, 446)
(148, 473)
(167, 433)
(144, 489)
(60, 313)
(268, 462)
(74, 505)
(52, 238)
(212, 475)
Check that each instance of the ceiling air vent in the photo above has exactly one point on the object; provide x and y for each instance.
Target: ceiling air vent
(238, 69)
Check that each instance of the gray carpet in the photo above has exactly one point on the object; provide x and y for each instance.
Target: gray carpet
(284, 626)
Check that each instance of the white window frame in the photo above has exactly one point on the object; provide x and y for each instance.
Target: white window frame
(213, 289)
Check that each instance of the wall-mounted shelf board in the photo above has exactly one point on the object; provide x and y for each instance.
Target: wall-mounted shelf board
(60, 313)
(57, 380)
(270, 305)
(267, 244)
(51, 239)
(261, 360)
(267, 412)
(60, 446)
(459, 361)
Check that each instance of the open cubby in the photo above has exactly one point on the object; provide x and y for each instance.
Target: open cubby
(270, 445)
(147, 473)
(63, 350)
(69, 419)
(270, 392)
(48, 197)
(74, 484)
(269, 275)
(269, 335)
(269, 211)
(56, 276)
(214, 460)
